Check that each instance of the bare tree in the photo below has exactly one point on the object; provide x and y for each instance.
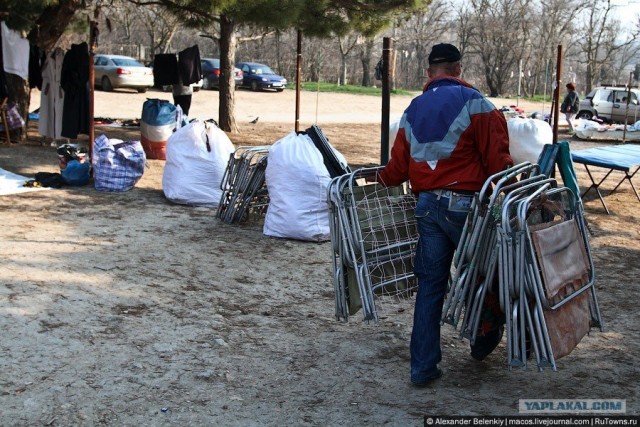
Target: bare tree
(498, 36)
(601, 42)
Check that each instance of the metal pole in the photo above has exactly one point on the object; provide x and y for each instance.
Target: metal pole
(387, 46)
(556, 95)
(546, 77)
(626, 113)
(298, 79)
(519, 83)
(93, 31)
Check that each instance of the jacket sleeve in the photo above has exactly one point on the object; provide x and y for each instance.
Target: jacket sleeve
(492, 139)
(397, 170)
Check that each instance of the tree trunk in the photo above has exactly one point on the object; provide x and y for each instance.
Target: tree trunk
(227, 43)
(365, 59)
(52, 23)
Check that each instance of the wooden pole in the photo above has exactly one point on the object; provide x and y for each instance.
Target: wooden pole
(556, 95)
(298, 79)
(387, 47)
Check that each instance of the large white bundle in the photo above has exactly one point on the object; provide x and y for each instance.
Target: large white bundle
(297, 180)
(197, 157)
(527, 138)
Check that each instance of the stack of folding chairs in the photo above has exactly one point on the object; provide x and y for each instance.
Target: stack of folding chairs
(373, 237)
(244, 191)
(525, 243)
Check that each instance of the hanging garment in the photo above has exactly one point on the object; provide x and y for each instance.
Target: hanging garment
(4, 89)
(165, 69)
(74, 80)
(52, 96)
(189, 65)
(36, 61)
(15, 52)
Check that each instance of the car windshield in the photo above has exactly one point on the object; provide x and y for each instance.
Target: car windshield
(262, 70)
(126, 62)
(215, 63)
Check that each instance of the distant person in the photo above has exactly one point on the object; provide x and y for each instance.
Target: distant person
(570, 105)
(182, 96)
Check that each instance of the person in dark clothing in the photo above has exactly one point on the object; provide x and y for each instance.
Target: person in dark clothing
(182, 96)
(570, 105)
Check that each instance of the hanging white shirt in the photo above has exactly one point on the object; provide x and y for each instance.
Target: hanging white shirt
(15, 52)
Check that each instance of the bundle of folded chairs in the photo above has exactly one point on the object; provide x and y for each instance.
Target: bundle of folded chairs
(244, 191)
(373, 237)
(525, 245)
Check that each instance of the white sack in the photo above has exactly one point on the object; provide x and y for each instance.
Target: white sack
(393, 132)
(192, 174)
(297, 181)
(527, 138)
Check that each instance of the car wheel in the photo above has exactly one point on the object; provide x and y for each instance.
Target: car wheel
(254, 86)
(206, 84)
(142, 90)
(106, 84)
(585, 115)
(279, 90)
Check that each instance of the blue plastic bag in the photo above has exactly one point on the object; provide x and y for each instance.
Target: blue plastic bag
(76, 173)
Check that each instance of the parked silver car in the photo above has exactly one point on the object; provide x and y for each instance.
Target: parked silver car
(609, 103)
(117, 71)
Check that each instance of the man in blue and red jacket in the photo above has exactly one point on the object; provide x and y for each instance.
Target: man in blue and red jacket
(450, 140)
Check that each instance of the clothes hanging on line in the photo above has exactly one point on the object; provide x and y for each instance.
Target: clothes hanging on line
(165, 69)
(15, 52)
(4, 89)
(52, 96)
(74, 80)
(186, 68)
(189, 65)
(36, 62)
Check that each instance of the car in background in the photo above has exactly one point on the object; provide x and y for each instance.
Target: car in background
(117, 71)
(211, 73)
(609, 103)
(259, 76)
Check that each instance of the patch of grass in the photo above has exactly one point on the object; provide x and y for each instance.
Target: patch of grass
(356, 90)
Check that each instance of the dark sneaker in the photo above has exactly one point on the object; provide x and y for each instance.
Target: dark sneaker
(485, 344)
(428, 380)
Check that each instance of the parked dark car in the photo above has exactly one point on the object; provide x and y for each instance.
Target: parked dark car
(211, 73)
(259, 76)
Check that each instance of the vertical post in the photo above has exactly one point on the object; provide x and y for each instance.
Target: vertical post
(93, 34)
(546, 76)
(556, 95)
(626, 113)
(298, 79)
(519, 82)
(387, 46)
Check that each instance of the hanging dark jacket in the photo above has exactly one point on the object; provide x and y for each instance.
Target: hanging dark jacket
(74, 79)
(165, 69)
(189, 65)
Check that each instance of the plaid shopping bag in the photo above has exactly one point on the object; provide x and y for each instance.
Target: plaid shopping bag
(14, 120)
(118, 165)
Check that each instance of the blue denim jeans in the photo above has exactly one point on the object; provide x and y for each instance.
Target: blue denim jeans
(439, 232)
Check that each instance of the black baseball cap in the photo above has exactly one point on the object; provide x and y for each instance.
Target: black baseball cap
(444, 52)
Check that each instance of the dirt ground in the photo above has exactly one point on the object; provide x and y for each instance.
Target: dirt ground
(124, 309)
